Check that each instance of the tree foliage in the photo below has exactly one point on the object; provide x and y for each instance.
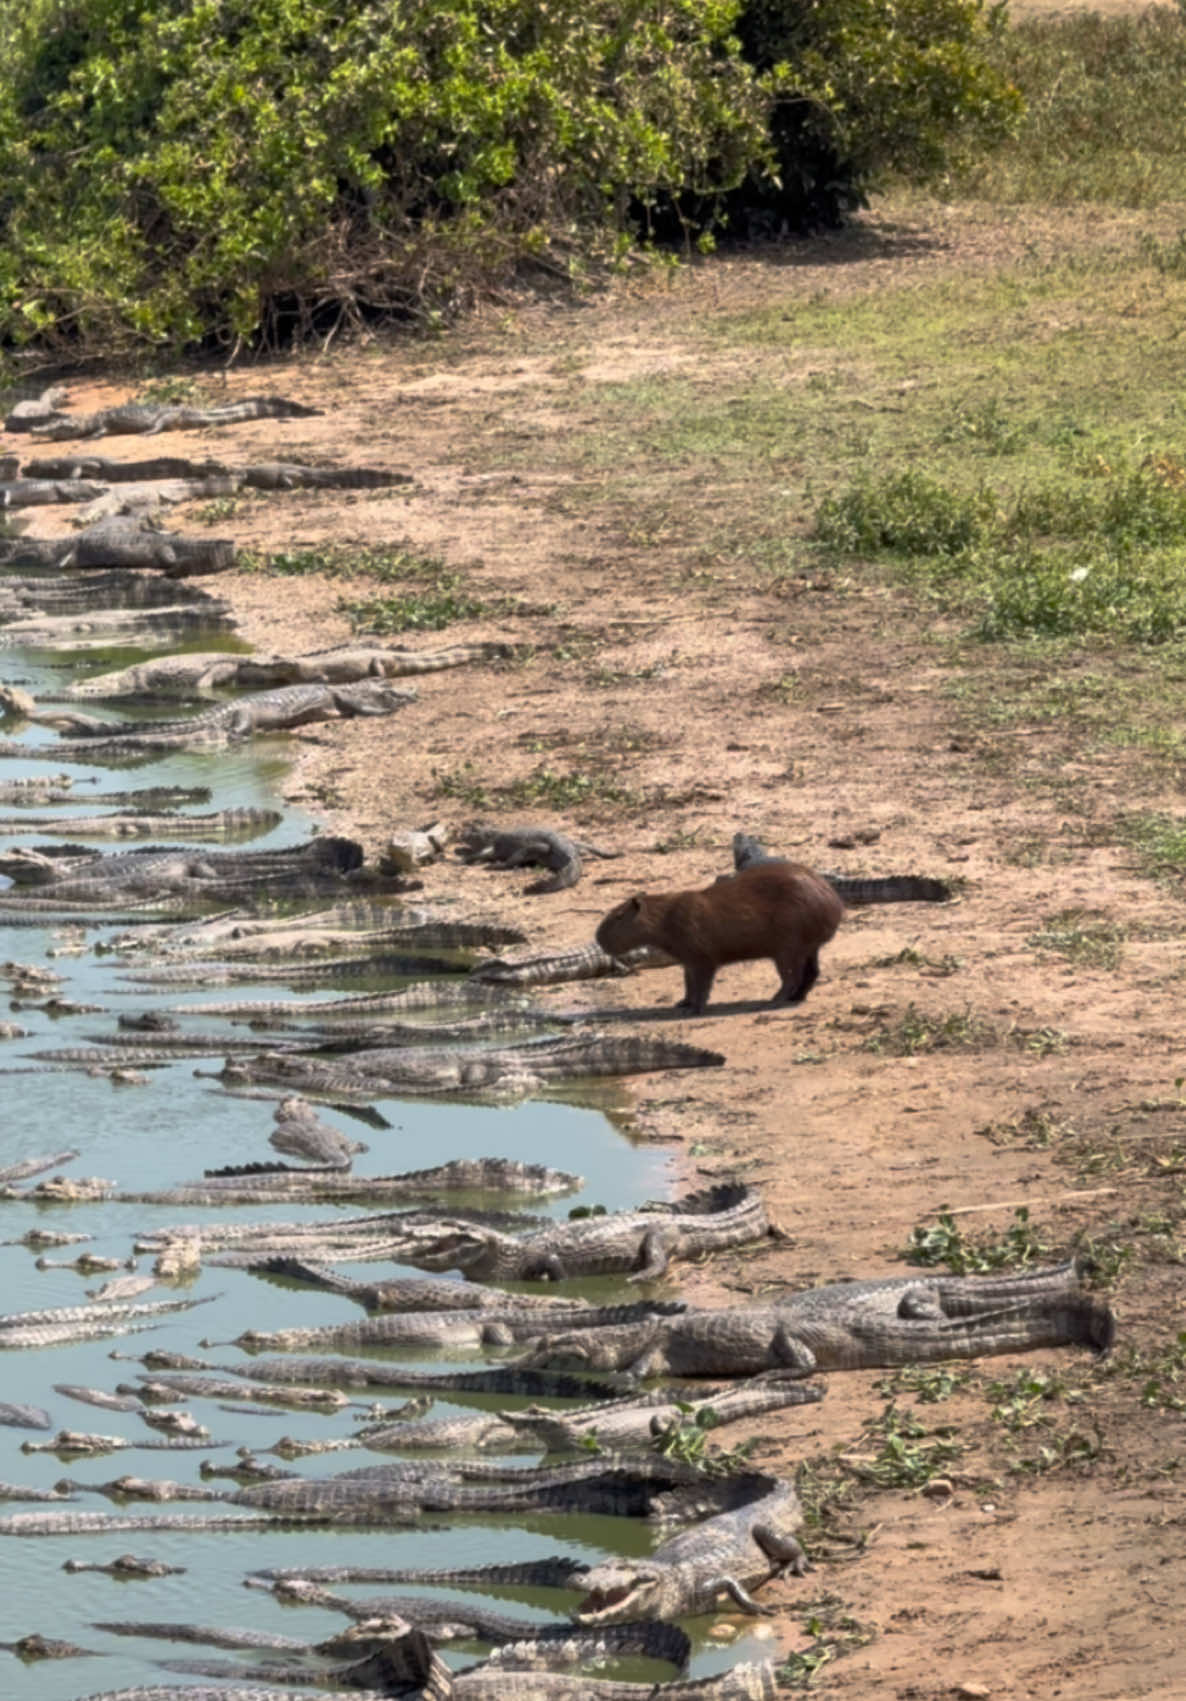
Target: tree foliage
(181, 173)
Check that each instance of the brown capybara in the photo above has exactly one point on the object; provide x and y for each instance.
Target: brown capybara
(780, 910)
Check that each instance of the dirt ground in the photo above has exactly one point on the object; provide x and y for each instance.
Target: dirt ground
(1046, 1561)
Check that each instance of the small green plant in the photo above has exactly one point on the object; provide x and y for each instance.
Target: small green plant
(386, 563)
(1021, 1404)
(944, 1242)
(421, 611)
(903, 514)
(685, 1439)
(929, 1386)
(557, 790)
(916, 1032)
(905, 1457)
(1162, 1373)
(1065, 1450)
(1081, 936)
(462, 784)
(834, 1632)
(1159, 841)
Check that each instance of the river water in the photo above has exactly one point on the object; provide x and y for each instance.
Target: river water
(170, 1130)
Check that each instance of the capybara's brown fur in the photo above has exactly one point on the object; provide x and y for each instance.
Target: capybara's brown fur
(780, 910)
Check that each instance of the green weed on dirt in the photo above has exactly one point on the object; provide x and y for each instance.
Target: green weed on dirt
(945, 1242)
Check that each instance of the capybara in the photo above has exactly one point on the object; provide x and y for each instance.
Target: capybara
(780, 910)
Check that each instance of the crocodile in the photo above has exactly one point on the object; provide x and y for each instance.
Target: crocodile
(127, 1566)
(43, 492)
(442, 1621)
(24, 1417)
(631, 1487)
(518, 847)
(884, 889)
(164, 1385)
(422, 995)
(514, 1380)
(638, 1419)
(97, 1397)
(241, 823)
(123, 541)
(301, 1133)
(263, 1183)
(491, 1681)
(641, 1242)
(26, 1167)
(403, 1293)
(154, 873)
(483, 1327)
(167, 623)
(386, 1072)
(263, 475)
(73, 1443)
(84, 1322)
(849, 1326)
(196, 673)
(257, 714)
(59, 788)
(582, 962)
(34, 1646)
(421, 1673)
(147, 420)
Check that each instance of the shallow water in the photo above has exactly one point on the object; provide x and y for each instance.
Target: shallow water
(168, 1131)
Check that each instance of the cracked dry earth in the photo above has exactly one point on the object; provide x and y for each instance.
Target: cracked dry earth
(1057, 1089)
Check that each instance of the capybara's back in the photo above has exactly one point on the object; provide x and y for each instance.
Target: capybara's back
(780, 910)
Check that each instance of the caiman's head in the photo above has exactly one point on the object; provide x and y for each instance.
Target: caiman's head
(616, 1593)
(459, 1247)
(572, 1352)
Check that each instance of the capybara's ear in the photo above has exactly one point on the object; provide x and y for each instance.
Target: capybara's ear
(636, 902)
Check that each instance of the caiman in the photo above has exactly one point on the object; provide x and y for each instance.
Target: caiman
(146, 420)
(851, 889)
(638, 1244)
(254, 715)
(197, 673)
(851, 1326)
(521, 847)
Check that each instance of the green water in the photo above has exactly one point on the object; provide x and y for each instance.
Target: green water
(167, 1131)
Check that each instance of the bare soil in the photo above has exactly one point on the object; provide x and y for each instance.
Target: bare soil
(1001, 1580)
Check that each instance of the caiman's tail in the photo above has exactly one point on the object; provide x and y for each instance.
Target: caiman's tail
(1057, 1321)
(889, 889)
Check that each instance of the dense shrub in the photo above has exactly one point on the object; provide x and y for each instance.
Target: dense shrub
(217, 170)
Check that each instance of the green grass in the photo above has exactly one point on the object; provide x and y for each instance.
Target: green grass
(1082, 937)
(441, 604)
(387, 563)
(1159, 842)
(945, 1242)
(1103, 103)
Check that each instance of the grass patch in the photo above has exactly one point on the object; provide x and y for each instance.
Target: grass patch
(1159, 841)
(834, 1632)
(1082, 937)
(907, 1455)
(543, 786)
(1064, 558)
(916, 1032)
(1102, 119)
(945, 1242)
(442, 604)
(386, 563)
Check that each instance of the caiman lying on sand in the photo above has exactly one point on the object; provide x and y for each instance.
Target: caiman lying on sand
(638, 1244)
(851, 1326)
(146, 420)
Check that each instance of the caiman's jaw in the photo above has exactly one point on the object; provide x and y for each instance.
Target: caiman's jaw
(615, 1596)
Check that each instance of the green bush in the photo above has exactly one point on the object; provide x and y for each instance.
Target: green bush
(904, 514)
(214, 172)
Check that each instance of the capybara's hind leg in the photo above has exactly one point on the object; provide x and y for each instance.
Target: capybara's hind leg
(799, 975)
(699, 974)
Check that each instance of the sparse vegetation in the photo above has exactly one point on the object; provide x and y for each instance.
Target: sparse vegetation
(945, 1242)
(916, 1031)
